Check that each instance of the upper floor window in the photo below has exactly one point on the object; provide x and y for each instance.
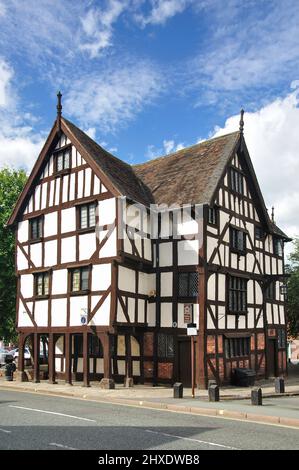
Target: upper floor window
(237, 240)
(271, 291)
(259, 233)
(165, 346)
(188, 284)
(63, 159)
(237, 295)
(80, 279)
(213, 215)
(36, 228)
(87, 215)
(277, 246)
(41, 284)
(237, 181)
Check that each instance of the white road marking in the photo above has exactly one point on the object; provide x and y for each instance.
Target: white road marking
(52, 413)
(62, 446)
(5, 430)
(193, 440)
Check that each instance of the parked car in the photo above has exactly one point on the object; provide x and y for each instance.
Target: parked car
(15, 353)
(3, 354)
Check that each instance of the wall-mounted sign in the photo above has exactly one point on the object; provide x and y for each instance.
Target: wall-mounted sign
(191, 329)
(83, 316)
(188, 313)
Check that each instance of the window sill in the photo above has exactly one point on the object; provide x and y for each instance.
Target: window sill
(86, 230)
(35, 240)
(238, 252)
(80, 292)
(66, 171)
(41, 297)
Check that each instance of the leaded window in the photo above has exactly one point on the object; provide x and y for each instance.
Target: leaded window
(41, 282)
(237, 292)
(36, 228)
(80, 279)
(281, 338)
(165, 346)
(188, 284)
(237, 347)
(213, 215)
(237, 181)
(277, 246)
(87, 215)
(271, 291)
(237, 240)
(63, 160)
(259, 233)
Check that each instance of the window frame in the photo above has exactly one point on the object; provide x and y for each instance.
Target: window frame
(239, 187)
(40, 225)
(188, 274)
(278, 242)
(63, 150)
(241, 345)
(168, 352)
(236, 294)
(281, 336)
(79, 208)
(234, 248)
(256, 229)
(43, 275)
(81, 269)
(270, 292)
(213, 215)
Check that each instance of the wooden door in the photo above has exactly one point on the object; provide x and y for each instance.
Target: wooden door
(272, 358)
(184, 361)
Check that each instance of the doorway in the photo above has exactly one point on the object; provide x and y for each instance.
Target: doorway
(272, 358)
(184, 361)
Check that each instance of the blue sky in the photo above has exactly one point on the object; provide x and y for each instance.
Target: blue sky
(146, 77)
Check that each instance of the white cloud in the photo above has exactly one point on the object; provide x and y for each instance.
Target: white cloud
(169, 146)
(162, 10)
(5, 77)
(113, 96)
(272, 138)
(98, 26)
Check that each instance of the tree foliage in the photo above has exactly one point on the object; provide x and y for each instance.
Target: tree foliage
(293, 291)
(11, 185)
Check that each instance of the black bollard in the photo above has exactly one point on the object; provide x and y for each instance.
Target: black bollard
(279, 385)
(211, 382)
(214, 393)
(178, 390)
(256, 397)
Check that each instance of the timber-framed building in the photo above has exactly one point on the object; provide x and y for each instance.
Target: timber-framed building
(112, 300)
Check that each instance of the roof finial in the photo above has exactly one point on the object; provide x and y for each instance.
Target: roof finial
(241, 121)
(59, 109)
(272, 214)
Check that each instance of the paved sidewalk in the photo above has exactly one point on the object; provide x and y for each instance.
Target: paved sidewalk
(277, 409)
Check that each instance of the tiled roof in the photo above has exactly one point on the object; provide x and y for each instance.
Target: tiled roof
(190, 175)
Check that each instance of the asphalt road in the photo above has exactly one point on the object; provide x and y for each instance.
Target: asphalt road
(29, 421)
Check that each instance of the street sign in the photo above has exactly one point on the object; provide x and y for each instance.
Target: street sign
(188, 313)
(83, 316)
(191, 329)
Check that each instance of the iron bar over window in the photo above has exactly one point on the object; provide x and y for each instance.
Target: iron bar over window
(41, 284)
(188, 284)
(237, 292)
(80, 279)
(237, 347)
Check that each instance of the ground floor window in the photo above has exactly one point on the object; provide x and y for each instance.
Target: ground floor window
(237, 347)
(281, 338)
(165, 346)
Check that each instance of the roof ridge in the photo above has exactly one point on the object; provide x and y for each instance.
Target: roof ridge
(185, 148)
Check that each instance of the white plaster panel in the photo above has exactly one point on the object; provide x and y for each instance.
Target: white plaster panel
(24, 319)
(221, 287)
(65, 182)
(87, 182)
(250, 318)
(101, 276)
(126, 279)
(258, 294)
(87, 245)
(100, 365)
(59, 281)
(107, 211)
(44, 195)
(72, 186)
(187, 252)
(211, 287)
(165, 251)
(51, 253)
(97, 185)
(68, 249)
(166, 314)
(141, 311)
(210, 323)
(221, 317)
(166, 284)
(242, 321)
(22, 262)
(59, 312)
(187, 226)
(26, 285)
(41, 312)
(127, 245)
(80, 184)
(23, 231)
(109, 248)
(121, 365)
(76, 304)
(275, 314)
(147, 249)
(211, 245)
(59, 345)
(102, 316)
(131, 309)
(250, 286)
(50, 224)
(151, 314)
(36, 254)
(37, 197)
(68, 220)
(120, 314)
(231, 321)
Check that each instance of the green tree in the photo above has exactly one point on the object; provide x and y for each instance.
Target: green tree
(11, 185)
(293, 291)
